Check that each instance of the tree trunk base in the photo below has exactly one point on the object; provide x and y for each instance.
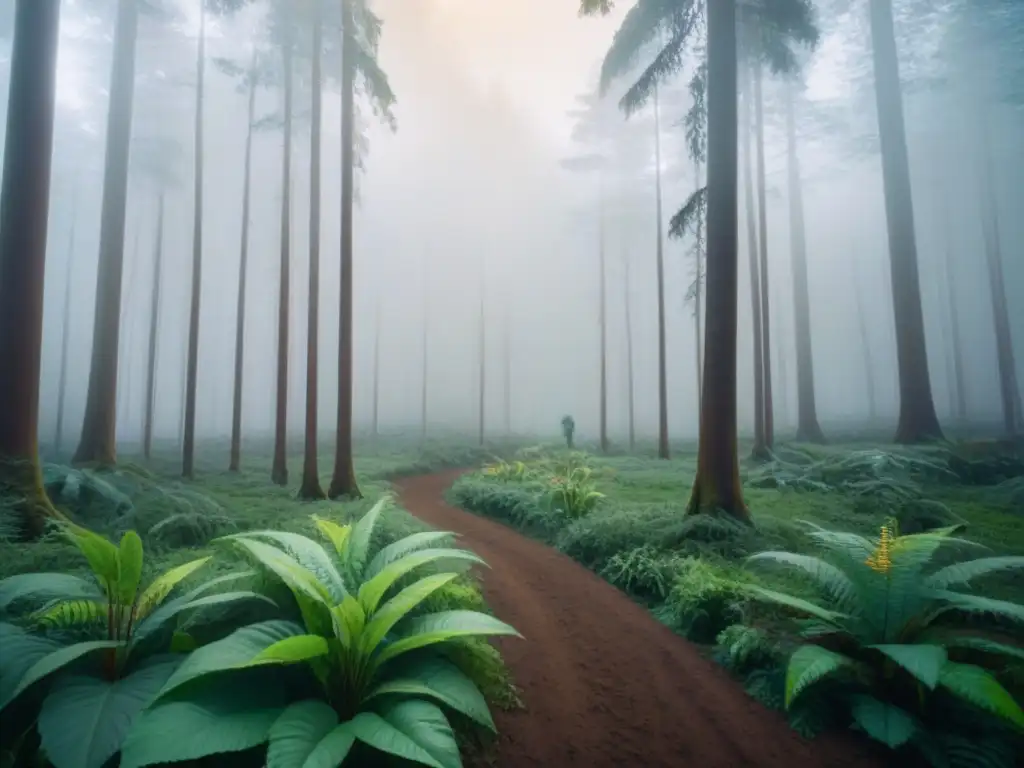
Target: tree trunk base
(344, 490)
(705, 499)
(22, 483)
(279, 475)
(810, 433)
(761, 453)
(311, 490)
(915, 431)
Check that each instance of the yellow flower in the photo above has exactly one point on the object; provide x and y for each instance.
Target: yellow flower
(880, 560)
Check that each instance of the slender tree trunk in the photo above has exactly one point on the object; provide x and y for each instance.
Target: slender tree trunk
(426, 371)
(716, 485)
(762, 210)
(98, 441)
(869, 366)
(960, 409)
(918, 421)
(124, 393)
(65, 333)
(279, 470)
(154, 318)
(663, 447)
(760, 449)
(376, 372)
(482, 362)
(234, 462)
(1008, 391)
(807, 426)
(343, 483)
(310, 488)
(24, 210)
(698, 310)
(188, 449)
(631, 404)
(603, 317)
(508, 374)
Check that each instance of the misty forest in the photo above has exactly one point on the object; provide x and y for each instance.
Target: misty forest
(529, 383)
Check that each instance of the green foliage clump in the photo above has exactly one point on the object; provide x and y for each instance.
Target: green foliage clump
(899, 646)
(705, 599)
(573, 492)
(103, 648)
(643, 572)
(743, 649)
(353, 670)
(519, 505)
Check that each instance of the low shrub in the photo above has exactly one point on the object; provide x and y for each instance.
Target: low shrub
(705, 599)
(643, 572)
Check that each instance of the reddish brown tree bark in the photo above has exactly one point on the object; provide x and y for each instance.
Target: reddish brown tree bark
(24, 211)
(98, 441)
(279, 471)
(716, 485)
(310, 488)
(918, 421)
(343, 481)
(235, 460)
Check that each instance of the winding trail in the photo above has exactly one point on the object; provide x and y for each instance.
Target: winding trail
(605, 685)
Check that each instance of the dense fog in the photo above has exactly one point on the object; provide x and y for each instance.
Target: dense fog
(468, 212)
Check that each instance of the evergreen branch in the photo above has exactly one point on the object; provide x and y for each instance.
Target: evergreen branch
(687, 216)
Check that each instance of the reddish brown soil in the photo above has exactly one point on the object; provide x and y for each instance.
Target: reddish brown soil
(605, 685)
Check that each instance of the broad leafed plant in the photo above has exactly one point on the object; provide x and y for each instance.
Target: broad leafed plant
(358, 669)
(81, 659)
(902, 646)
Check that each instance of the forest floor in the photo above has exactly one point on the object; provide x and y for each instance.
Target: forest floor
(603, 683)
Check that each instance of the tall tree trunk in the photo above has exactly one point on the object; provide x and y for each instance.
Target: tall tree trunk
(98, 441)
(760, 449)
(954, 331)
(376, 372)
(124, 393)
(1008, 390)
(663, 447)
(716, 485)
(154, 317)
(310, 488)
(807, 426)
(602, 319)
(343, 483)
(482, 362)
(918, 420)
(235, 460)
(762, 211)
(188, 449)
(279, 469)
(865, 345)
(24, 211)
(631, 404)
(698, 310)
(425, 377)
(65, 332)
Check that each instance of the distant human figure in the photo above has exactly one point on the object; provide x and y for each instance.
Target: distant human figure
(568, 428)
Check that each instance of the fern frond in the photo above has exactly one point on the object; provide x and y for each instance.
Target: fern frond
(72, 613)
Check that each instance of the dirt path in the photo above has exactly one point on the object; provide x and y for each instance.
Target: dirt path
(605, 685)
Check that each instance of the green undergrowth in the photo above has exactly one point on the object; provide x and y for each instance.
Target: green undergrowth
(177, 521)
(692, 572)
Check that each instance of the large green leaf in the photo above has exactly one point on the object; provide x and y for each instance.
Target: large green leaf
(444, 625)
(371, 592)
(882, 721)
(837, 584)
(981, 689)
(796, 603)
(307, 553)
(296, 734)
(212, 720)
(161, 586)
(1002, 609)
(332, 749)
(358, 547)
(84, 720)
(402, 547)
(235, 651)
(959, 574)
(983, 645)
(438, 679)
(370, 728)
(55, 661)
(395, 609)
(101, 554)
(924, 662)
(21, 650)
(42, 587)
(291, 650)
(129, 559)
(808, 665)
(426, 726)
